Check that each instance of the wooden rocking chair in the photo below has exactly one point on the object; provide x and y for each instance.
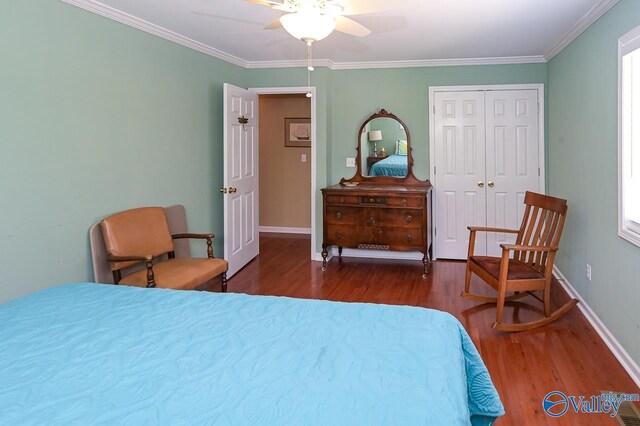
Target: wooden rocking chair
(530, 269)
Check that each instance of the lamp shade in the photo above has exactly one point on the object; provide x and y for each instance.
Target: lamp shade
(375, 135)
(308, 26)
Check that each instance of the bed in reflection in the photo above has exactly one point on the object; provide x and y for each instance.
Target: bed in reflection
(393, 165)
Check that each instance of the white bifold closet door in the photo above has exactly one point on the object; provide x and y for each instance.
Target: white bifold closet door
(486, 158)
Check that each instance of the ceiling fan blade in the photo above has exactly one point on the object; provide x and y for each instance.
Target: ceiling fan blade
(361, 7)
(349, 26)
(274, 4)
(274, 25)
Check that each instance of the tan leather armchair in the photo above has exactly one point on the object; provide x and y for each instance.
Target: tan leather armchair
(142, 236)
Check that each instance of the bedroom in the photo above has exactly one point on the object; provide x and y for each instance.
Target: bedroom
(92, 111)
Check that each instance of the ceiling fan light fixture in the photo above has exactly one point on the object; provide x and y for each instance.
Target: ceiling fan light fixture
(308, 26)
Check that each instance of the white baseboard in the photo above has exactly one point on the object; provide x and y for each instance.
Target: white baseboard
(612, 343)
(284, 230)
(378, 254)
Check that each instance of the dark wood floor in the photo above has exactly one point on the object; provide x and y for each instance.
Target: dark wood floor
(567, 355)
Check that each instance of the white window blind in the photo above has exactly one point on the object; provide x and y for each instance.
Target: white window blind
(629, 136)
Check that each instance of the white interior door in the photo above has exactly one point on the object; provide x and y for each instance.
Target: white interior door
(241, 208)
(460, 169)
(486, 153)
(512, 160)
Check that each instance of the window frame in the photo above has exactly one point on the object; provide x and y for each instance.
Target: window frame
(627, 229)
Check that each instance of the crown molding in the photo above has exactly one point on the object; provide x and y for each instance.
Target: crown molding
(439, 62)
(585, 22)
(397, 64)
(156, 30)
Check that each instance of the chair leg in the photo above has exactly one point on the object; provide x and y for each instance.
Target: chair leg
(467, 279)
(546, 295)
(224, 282)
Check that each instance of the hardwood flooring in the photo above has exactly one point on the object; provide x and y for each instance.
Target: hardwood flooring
(566, 356)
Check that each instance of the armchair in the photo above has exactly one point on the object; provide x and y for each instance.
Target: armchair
(142, 237)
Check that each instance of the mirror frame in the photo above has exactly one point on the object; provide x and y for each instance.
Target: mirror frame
(361, 178)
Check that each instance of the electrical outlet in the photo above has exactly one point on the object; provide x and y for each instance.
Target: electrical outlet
(303, 158)
(589, 272)
(351, 162)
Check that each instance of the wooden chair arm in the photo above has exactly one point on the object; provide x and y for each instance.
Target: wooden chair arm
(192, 235)
(516, 247)
(147, 258)
(207, 237)
(485, 229)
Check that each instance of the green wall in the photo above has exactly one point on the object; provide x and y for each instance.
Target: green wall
(346, 98)
(582, 167)
(98, 117)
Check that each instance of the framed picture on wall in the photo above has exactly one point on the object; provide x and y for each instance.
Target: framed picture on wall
(297, 132)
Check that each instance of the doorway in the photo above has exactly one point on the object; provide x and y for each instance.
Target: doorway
(285, 163)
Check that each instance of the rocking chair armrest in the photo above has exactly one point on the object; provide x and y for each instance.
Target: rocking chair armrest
(519, 247)
(147, 258)
(192, 235)
(486, 229)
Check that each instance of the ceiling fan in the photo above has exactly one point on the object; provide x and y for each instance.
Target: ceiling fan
(313, 20)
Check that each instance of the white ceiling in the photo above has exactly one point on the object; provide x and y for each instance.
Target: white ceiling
(422, 30)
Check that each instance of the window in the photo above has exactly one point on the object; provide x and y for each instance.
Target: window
(629, 136)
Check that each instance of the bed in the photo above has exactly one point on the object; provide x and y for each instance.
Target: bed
(393, 165)
(97, 353)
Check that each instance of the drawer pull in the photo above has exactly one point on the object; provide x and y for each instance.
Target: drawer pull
(403, 202)
(380, 232)
(342, 199)
(409, 238)
(408, 218)
(371, 221)
(338, 235)
(338, 215)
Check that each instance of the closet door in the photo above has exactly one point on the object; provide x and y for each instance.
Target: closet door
(460, 169)
(512, 163)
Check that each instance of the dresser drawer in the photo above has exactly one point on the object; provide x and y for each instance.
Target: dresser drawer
(398, 237)
(344, 215)
(348, 235)
(409, 201)
(405, 218)
(342, 199)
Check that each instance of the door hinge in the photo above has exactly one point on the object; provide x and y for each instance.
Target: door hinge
(434, 170)
(434, 110)
(435, 231)
(538, 171)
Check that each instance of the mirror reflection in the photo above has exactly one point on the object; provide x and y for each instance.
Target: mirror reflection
(383, 148)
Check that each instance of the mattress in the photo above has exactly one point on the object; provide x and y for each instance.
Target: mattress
(393, 165)
(98, 353)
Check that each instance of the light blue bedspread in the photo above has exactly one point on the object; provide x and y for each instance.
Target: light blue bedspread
(90, 354)
(393, 165)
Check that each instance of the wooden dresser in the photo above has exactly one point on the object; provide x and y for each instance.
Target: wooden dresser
(378, 216)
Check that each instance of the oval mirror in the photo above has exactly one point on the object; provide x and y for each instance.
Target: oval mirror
(384, 148)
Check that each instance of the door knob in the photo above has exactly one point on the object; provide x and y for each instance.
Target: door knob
(223, 190)
(480, 184)
(490, 183)
(232, 190)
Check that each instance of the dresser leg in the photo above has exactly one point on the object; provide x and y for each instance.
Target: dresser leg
(324, 259)
(339, 251)
(426, 262)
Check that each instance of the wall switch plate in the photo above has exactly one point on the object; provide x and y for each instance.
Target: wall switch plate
(351, 162)
(303, 158)
(589, 272)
